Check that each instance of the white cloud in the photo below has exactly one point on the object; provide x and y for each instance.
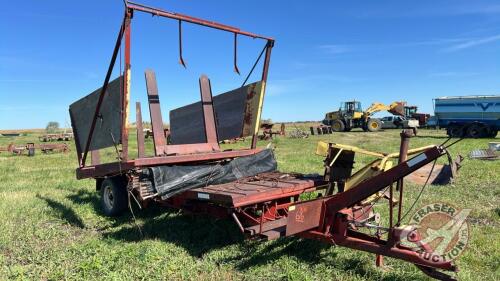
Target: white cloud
(473, 43)
(334, 49)
(453, 74)
(467, 8)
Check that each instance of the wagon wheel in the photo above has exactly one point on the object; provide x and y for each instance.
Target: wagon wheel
(113, 197)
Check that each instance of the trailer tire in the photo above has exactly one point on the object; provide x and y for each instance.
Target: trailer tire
(455, 131)
(338, 126)
(113, 197)
(476, 131)
(374, 125)
(493, 133)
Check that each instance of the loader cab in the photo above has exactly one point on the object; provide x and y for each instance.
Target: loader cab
(352, 109)
(410, 110)
(350, 106)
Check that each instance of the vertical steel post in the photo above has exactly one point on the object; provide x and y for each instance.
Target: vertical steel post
(265, 70)
(155, 111)
(103, 90)
(126, 89)
(140, 132)
(391, 196)
(403, 153)
(208, 110)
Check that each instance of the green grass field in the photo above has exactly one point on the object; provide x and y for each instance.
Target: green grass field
(51, 227)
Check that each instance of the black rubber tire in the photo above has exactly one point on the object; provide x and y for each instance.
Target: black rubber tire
(347, 129)
(113, 197)
(338, 126)
(373, 125)
(493, 134)
(476, 131)
(455, 131)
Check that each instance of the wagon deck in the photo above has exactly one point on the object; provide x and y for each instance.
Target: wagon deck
(258, 189)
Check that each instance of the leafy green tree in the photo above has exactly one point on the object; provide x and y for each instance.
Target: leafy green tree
(52, 127)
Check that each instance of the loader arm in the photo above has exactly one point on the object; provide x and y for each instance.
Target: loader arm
(396, 108)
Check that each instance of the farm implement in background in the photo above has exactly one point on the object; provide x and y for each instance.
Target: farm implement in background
(268, 133)
(193, 173)
(350, 115)
(321, 130)
(56, 137)
(30, 148)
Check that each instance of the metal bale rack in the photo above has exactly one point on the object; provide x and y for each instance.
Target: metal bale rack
(265, 205)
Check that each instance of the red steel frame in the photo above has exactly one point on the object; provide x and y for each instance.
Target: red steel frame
(327, 218)
(273, 213)
(182, 153)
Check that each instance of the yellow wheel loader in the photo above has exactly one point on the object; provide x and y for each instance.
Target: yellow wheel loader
(350, 115)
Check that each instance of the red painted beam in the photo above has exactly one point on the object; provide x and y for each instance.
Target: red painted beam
(181, 17)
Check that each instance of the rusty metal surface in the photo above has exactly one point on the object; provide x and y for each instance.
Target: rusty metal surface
(181, 17)
(125, 88)
(398, 109)
(208, 110)
(155, 113)
(321, 130)
(87, 138)
(208, 126)
(304, 216)
(115, 168)
(56, 137)
(107, 132)
(30, 148)
(95, 157)
(46, 148)
(254, 190)
(235, 113)
(265, 72)
(442, 174)
(193, 148)
(271, 229)
(370, 186)
(140, 131)
(268, 133)
(83, 147)
(487, 154)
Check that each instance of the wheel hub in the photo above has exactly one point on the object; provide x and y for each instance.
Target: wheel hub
(108, 196)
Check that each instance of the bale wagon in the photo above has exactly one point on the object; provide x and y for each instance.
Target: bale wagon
(193, 173)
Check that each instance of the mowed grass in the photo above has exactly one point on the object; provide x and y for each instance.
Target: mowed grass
(51, 227)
